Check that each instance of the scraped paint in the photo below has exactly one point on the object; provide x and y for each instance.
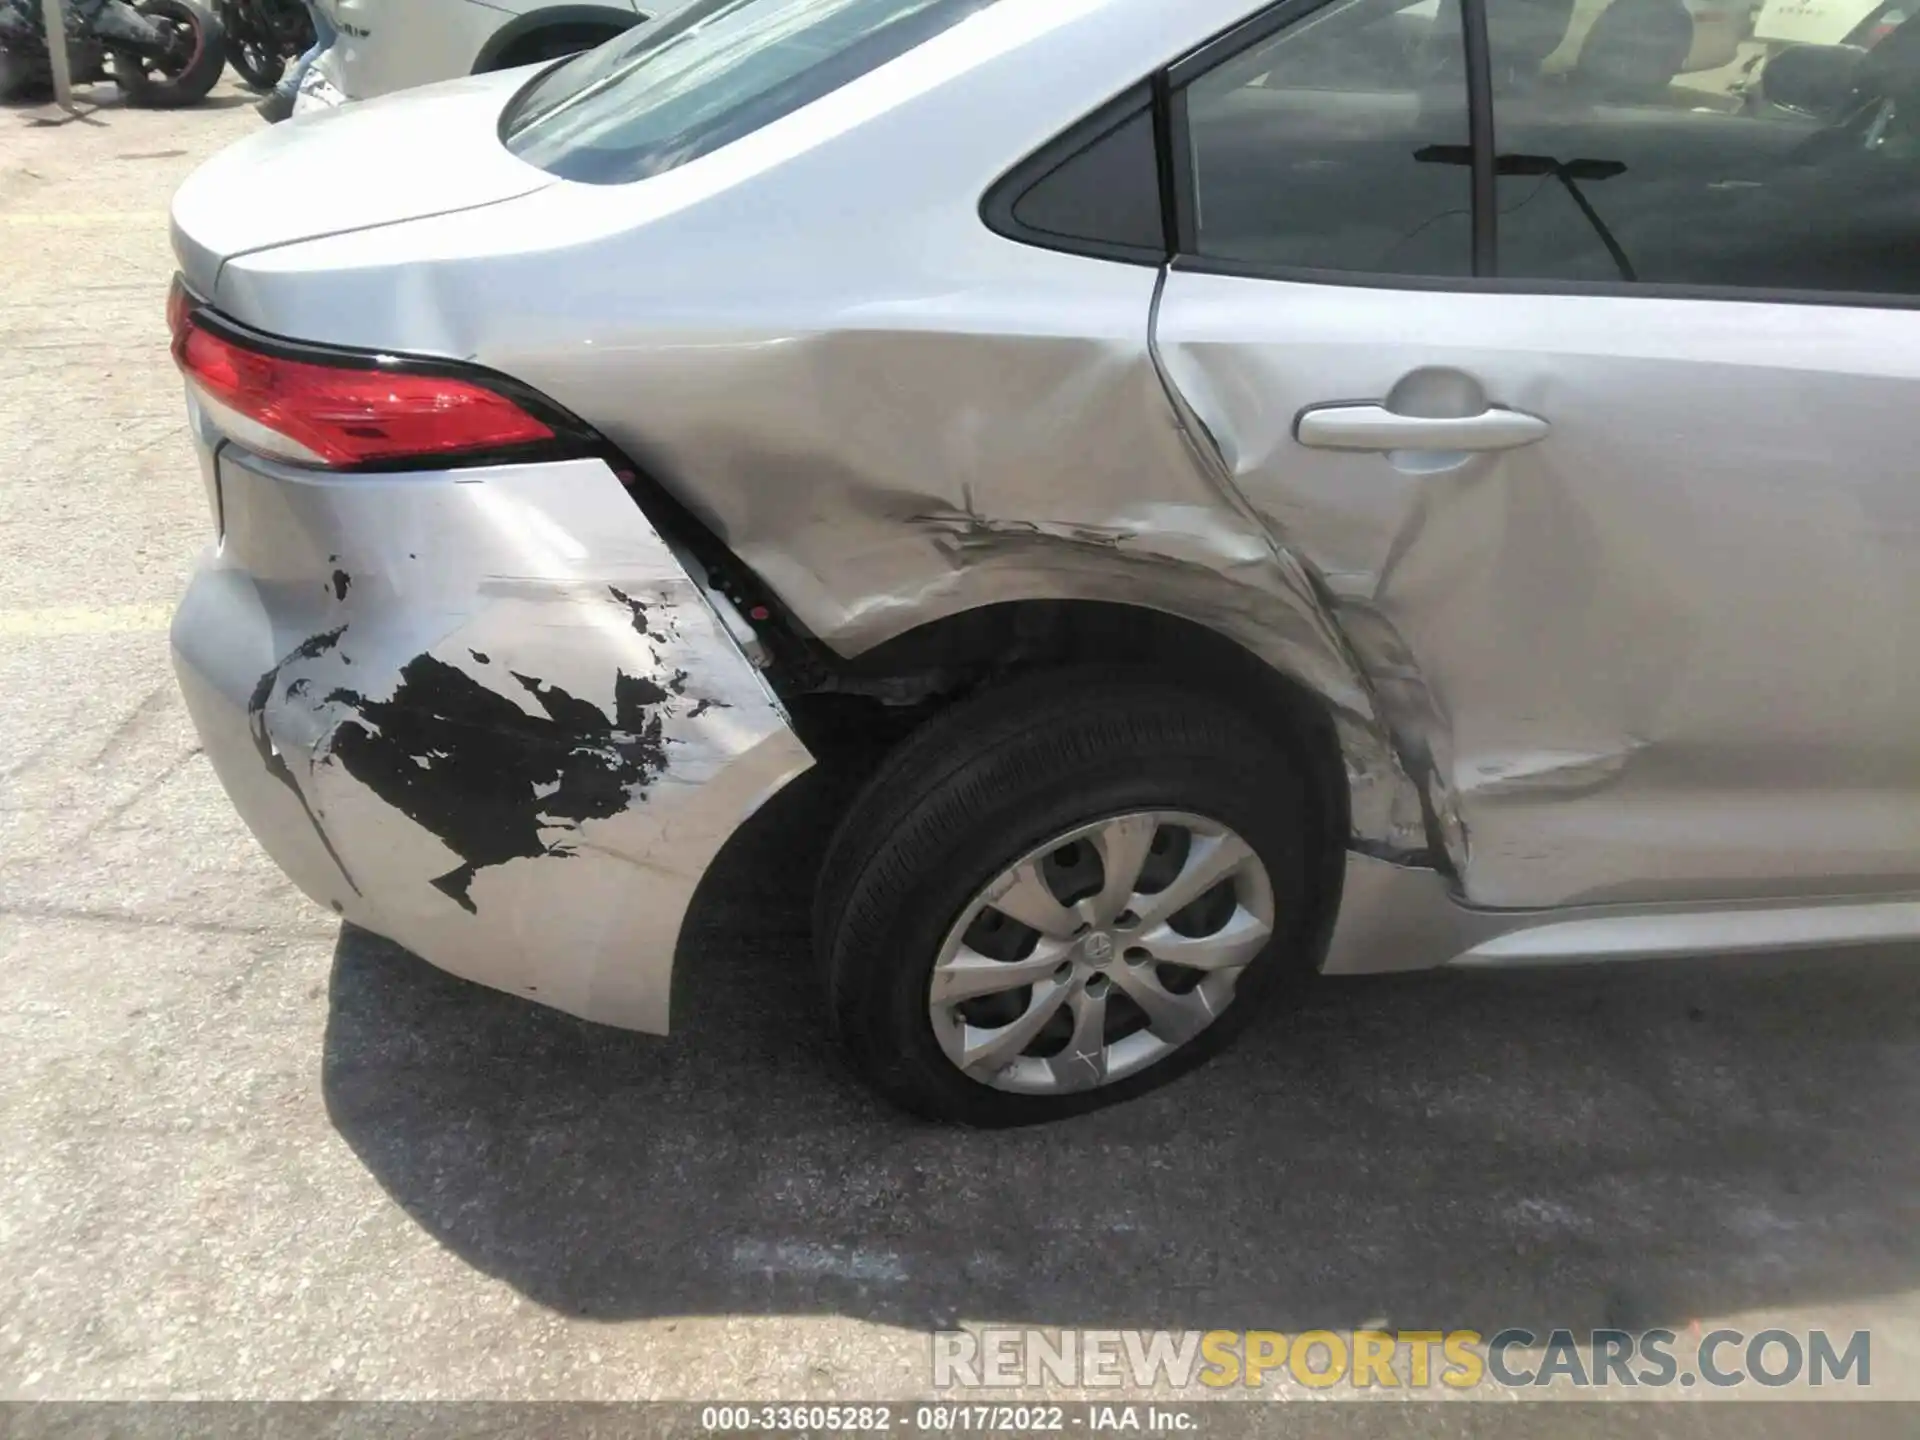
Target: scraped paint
(486, 777)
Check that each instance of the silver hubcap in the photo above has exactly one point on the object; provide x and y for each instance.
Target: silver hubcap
(1099, 953)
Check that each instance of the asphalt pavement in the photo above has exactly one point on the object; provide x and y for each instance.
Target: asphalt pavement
(247, 1154)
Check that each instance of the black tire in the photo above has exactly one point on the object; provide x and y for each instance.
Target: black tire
(262, 40)
(258, 64)
(197, 71)
(25, 79)
(992, 779)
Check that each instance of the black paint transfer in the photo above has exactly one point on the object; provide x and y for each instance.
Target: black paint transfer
(486, 777)
(639, 614)
(312, 648)
(341, 580)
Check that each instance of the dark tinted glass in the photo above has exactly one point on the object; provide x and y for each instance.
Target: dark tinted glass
(1638, 142)
(1106, 197)
(667, 93)
(1338, 144)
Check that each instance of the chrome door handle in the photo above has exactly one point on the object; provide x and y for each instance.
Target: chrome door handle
(1374, 427)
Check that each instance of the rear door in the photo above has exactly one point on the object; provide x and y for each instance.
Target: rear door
(1613, 476)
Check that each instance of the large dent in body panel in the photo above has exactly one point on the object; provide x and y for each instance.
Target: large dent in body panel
(1405, 548)
(517, 728)
(1411, 713)
(1629, 689)
(878, 480)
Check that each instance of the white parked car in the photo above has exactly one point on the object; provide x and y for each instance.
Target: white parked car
(386, 45)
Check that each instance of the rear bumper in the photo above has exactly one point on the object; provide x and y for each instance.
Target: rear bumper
(485, 713)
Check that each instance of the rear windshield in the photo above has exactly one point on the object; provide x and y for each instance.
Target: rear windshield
(702, 77)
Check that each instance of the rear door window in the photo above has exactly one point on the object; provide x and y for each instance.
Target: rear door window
(1339, 144)
(1796, 170)
(667, 93)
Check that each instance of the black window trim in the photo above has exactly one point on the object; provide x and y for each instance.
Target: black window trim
(997, 205)
(1176, 162)
(1485, 205)
(1482, 204)
(1496, 285)
(1244, 36)
(1481, 139)
(1166, 91)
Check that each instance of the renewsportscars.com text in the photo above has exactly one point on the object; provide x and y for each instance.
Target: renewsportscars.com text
(1720, 1359)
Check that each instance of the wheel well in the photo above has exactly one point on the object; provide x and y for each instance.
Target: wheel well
(869, 703)
(546, 34)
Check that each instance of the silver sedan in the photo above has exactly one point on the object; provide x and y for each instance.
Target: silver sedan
(1274, 488)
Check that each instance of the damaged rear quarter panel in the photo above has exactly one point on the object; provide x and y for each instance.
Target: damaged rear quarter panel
(884, 478)
(891, 413)
(517, 726)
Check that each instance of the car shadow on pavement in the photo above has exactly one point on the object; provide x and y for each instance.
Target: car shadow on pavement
(1632, 1145)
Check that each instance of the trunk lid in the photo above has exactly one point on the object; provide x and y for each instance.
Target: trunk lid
(402, 157)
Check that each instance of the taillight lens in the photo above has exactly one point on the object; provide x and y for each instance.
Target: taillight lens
(340, 415)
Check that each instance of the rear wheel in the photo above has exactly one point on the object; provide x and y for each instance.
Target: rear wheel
(187, 70)
(1063, 894)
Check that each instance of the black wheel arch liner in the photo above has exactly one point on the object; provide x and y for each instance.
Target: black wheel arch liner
(551, 17)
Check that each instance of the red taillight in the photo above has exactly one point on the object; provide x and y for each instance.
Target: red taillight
(340, 415)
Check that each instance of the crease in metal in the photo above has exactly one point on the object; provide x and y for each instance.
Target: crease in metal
(1380, 775)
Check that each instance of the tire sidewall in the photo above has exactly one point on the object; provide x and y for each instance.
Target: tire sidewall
(258, 78)
(1266, 809)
